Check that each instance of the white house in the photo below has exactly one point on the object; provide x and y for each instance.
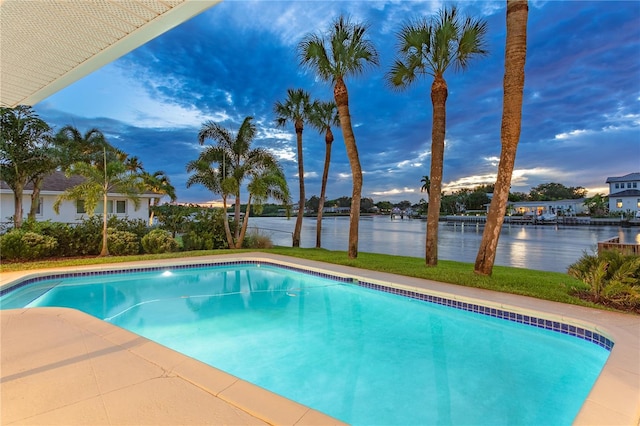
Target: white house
(70, 211)
(624, 193)
(568, 207)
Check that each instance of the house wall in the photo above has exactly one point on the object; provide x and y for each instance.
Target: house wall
(68, 212)
(623, 204)
(630, 201)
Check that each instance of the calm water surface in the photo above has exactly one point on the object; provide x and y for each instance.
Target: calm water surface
(541, 247)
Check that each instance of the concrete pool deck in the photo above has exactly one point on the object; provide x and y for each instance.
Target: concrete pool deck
(61, 366)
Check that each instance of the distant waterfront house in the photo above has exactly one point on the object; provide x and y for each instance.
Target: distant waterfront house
(337, 210)
(569, 207)
(624, 192)
(70, 211)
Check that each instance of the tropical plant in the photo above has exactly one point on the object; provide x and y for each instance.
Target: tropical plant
(296, 109)
(100, 180)
(342, 52)
(597, 205)
(159, 241)
(160, 184)
(612, 276)
(515, 58)
(222, 168)
(323, 116)
(431, 48)
(24, 139)
(76, 146)
(426, 183)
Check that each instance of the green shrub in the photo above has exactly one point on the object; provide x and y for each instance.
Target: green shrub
(205, 230)
(257, 240)
(613, 279)
(122, 243)
(159, 241)
(26, 245)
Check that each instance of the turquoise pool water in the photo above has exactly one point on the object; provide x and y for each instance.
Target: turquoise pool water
(361, 355)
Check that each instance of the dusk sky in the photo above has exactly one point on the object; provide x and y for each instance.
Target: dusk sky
(581, 112)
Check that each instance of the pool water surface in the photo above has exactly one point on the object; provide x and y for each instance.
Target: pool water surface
(361, 355)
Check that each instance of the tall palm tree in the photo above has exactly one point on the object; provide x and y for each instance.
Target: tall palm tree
(224, 167)
(430, 48)
(159, 183)
(87, 147)
(515, 58)
(100, 180)
(342, 52)
(323, 116)
(296, 109)
(23, 138)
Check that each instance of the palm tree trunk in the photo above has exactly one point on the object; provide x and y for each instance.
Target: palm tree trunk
(236, 218)
(17, 203)
(439, 95)
(105, 249)
(341, 97)
(298, 228)
(515, 58)
(152, 215)
(245, 222)
(227, 230)
(35, 199)
(323, 189)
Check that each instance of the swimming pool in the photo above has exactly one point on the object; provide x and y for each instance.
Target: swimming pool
(385, 358)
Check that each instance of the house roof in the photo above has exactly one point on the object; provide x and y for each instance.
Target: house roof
(57, 182)
(625, 178)
(626, 193)
(47, 45)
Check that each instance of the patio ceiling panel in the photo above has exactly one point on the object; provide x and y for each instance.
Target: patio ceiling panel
(46, 45)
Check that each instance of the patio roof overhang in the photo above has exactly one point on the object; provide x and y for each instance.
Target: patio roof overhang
(46, 45)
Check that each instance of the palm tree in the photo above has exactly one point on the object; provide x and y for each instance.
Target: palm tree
(160, 184)
(430, 48)
(344, 51)
(426, 183)
(515, 58)
(23, 138)
(323, 116)
(234, 161)
(100, 180)
(296, 109)
(87, 147)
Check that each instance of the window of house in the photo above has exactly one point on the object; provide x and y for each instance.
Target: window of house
(638, 203)
(619, 203)
(628, 184)
(80, 207)
(635, 184)
(617, 186)
(39, 209)
(100, 207)
(121, 206)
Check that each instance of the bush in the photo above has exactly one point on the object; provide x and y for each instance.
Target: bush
(122, 243)
(205, 230)
(26, 245)
(159, 241)
(256, 239)
(613, 279)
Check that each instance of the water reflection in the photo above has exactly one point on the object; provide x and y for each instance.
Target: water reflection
(542, 247)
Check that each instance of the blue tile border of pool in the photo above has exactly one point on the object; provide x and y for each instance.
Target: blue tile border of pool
(556, 326)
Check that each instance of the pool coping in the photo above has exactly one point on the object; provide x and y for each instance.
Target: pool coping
(614, 399)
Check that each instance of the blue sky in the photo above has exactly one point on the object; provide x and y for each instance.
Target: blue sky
(581, 112)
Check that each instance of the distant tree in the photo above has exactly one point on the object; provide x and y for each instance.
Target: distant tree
(518, 196)
(515, 58)
(23, 138)
(295, 109)
(384, 206)
(426, 183)
(343, 202)
(344, 51)
(323, 116)
(366, 204)
(430, 48)
(313, 204)
(403, 205)
(556, 191)
(598, 205)
(476, 200)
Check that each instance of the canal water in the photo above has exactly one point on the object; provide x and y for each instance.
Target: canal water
(541, 247)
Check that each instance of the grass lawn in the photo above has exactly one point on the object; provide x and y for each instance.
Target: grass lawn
(554, 286)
